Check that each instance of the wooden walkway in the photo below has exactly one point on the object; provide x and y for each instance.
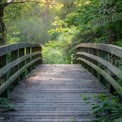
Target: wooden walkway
(53, 94)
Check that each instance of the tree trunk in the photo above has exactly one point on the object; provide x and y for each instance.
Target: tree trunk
(111, 36)
(2, 27)
(46, 13)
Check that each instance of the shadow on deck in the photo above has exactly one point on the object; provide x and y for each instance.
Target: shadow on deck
(52, 93)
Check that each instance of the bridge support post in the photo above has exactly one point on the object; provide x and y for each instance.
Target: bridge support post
(22, 53)
(3, 62)
(102, 80)
(14, 56)
(28, 51)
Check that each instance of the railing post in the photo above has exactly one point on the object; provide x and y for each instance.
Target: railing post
(33, 57)
(78, 50)
(3, 62)
(14, 56)
(13, 60)
(40, 55)
(28, 51)
(22, 53)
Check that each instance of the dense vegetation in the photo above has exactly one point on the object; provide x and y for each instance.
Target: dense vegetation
(61, 24)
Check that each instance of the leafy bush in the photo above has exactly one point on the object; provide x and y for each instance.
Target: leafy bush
(54, 52)
(5, 104)
(108, 108)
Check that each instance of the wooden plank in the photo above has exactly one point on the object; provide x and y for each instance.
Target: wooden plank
(52, 93)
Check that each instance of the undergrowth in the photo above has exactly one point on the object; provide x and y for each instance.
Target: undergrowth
(55, 52)
(107, 108)
(6, 105)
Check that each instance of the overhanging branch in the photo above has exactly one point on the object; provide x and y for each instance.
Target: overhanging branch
(24, 1)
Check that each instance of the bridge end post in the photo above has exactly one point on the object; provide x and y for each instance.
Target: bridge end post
(3, 62)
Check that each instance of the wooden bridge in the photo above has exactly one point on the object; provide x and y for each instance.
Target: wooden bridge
(54, 93)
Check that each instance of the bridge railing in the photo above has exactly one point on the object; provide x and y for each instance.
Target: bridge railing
(104, 61)
(16, 60)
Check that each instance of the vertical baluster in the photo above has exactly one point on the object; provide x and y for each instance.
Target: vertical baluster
(28, 51)
(3, 62)
(111, 59)
(84, 64)
(98, 54)
(40, 55)
(33, 57)
(79, 50)
(101, 78)
(36, 50)
(14, 56)
(92, 61)
(22, 53)
(88, 59)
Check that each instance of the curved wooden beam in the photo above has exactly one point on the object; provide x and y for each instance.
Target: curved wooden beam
(12, 47)
(7, 67)
(111, 67)
(115, 85)
(105, 47)
(7, 83)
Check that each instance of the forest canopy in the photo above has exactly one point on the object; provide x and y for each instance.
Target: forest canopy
(41, 21)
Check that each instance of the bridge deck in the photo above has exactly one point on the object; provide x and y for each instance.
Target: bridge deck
(52, 94)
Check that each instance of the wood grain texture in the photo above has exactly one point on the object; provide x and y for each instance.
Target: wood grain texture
(107, 64)
(52, 93)
(104, 61)
(10, 80)
(15, 61)
(116, 50)
(104, 74)
(12, 47)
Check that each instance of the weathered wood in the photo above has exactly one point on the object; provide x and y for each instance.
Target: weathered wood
(103, 57)
(9, 48)
(5, 85)
(114, 69)
(16, 62)
(13, 59)
(104, 74)
(105, 47)
(52, 94)
(14, 56)
(3, 78)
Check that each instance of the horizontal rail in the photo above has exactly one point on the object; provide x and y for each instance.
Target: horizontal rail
(16, 61)
(104, 59)
(13, 77)
(114, 69)
(105, 47)
(9, 48)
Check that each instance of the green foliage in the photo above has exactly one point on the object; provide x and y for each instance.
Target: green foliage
(73, 120)
(6, 105)
(90, 30)
(107, 109)
(54, 52)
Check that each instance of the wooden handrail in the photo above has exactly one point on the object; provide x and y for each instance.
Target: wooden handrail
(104, 61)
(16, 60)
